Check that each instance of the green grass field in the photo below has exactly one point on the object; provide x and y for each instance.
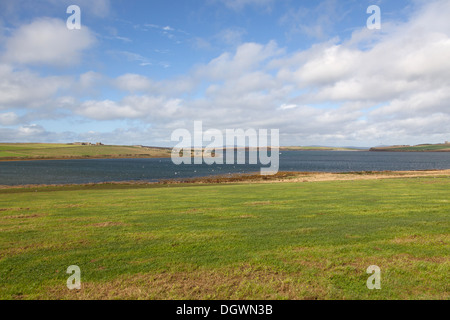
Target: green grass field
(30, 151)
(418, 148)
(243, 241)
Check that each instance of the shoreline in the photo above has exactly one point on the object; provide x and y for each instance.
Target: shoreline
(411, 151)
(251, 178)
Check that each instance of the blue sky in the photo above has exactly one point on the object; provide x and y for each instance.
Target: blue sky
(138, 70)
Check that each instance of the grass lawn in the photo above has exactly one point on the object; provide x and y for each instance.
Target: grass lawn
(243, 241)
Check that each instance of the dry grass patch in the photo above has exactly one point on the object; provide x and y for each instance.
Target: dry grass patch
(239, 283)
(70, 206)
(17, 250)
(108, 224)
(14, 209)
(25, 216)
(247, 216)
(437, 239)
(258, 203)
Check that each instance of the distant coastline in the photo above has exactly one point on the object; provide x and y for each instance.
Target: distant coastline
(84, 151)
(443, 147)
(41, 151)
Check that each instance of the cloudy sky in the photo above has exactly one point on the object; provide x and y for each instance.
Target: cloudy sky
(138, 70)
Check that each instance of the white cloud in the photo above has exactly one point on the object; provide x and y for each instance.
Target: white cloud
(248, 56)
(30, 130)
(405, 60)
(107, 110)
(287, 106)
(146, 108)
(36, 133)
(134, 83)
(8, 118)
(24, 89)
(49, 42)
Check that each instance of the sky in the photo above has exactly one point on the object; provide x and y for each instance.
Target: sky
(138, 70)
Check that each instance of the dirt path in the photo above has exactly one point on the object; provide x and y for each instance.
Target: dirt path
(326, 176)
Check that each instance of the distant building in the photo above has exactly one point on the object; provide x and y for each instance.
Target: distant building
(99, 144)
(447, 142)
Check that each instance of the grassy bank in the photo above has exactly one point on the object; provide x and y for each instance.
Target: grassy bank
(418, 148)
(299, 240)
(41, 151)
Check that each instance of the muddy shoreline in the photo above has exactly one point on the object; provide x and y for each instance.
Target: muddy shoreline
(280, 177)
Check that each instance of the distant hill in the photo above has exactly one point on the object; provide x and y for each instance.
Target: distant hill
(41, 151)
(320, 148)
(86, 150)
(444, 147)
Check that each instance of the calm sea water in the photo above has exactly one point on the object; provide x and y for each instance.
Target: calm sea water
(88, 171)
